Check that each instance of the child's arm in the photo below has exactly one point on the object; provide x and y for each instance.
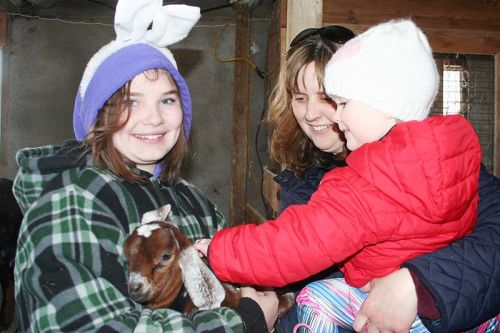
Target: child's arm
(303, 240)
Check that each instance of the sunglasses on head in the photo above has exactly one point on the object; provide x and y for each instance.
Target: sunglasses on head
(333, 33)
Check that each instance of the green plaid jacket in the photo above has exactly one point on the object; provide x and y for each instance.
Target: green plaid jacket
(70, 271)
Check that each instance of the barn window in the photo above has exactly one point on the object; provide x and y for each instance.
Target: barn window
(452, 89)
(467, 88)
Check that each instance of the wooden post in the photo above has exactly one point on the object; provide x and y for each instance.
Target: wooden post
(302, 14)
(3, 28)
(241, 117)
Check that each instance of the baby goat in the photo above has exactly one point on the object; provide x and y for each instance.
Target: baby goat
(165, 270)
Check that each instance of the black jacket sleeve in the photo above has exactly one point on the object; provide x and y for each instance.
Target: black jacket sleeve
(464, 277)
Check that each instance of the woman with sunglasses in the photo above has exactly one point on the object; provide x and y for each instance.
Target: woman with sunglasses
(418, 287)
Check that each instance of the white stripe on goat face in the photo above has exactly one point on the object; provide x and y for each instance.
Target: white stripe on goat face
(145, 230)
(138, 279)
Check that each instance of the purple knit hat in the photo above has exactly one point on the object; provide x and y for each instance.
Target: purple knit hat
(143, 29)
(113, 72)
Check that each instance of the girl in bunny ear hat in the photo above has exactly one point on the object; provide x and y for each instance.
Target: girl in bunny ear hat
(132, 120)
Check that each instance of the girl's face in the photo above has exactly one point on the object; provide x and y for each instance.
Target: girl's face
(155, 120)
(314, 111)
(360, 123)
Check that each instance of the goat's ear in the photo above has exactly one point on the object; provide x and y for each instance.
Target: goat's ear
(160, 214)
(181, 239)
(202, 285)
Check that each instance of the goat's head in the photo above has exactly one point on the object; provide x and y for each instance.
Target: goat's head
(162, 260)
(152, 252)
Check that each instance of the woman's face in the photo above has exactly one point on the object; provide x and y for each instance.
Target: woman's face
(155, 120)
(314, 111)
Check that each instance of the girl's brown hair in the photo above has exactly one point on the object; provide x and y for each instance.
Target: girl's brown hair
(288, 144)
(110, 119)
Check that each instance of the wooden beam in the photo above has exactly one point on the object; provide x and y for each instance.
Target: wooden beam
(3, 28)
(463, 41)
(271, 190)
(283, 23)
(274, 48)
(442, 14)
(453, 26)
(241, 117)
(253, 215)
(302, 14)
(452, 41)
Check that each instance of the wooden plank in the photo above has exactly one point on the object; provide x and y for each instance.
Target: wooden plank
(3, 28)
(271, 190)
(302, 14)
(446, 14)
(464, 41)
(253, 215)
(496, 150)
(463, 26)
(241, 117)
(454, 41)
(283, 22)
(273, 49)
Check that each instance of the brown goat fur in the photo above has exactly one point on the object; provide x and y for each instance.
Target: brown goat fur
(155, 258)
(155, 274)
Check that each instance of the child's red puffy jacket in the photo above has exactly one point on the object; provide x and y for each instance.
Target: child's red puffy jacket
(410, 193)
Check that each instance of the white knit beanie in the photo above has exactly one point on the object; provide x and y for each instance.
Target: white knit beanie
(389, 67)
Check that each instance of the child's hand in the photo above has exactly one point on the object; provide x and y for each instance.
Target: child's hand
(202, 246)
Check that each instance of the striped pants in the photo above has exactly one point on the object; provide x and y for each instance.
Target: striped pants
(325, 305)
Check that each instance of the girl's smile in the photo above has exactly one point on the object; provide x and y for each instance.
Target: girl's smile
(155, 120)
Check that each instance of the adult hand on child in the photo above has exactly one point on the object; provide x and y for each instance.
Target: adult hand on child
(391, 305)
(268, 302)
(201, 245)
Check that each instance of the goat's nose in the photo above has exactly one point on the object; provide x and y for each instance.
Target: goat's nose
(135, 287)
(137, 291)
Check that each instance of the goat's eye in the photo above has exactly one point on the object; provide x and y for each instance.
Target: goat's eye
(163, 261)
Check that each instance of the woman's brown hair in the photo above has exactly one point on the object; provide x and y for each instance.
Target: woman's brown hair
(288, 144)
(110, 119)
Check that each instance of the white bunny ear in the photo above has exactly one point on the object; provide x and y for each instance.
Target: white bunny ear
(172, 24)
(202, 285)
(161, 214)
(133, 17)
